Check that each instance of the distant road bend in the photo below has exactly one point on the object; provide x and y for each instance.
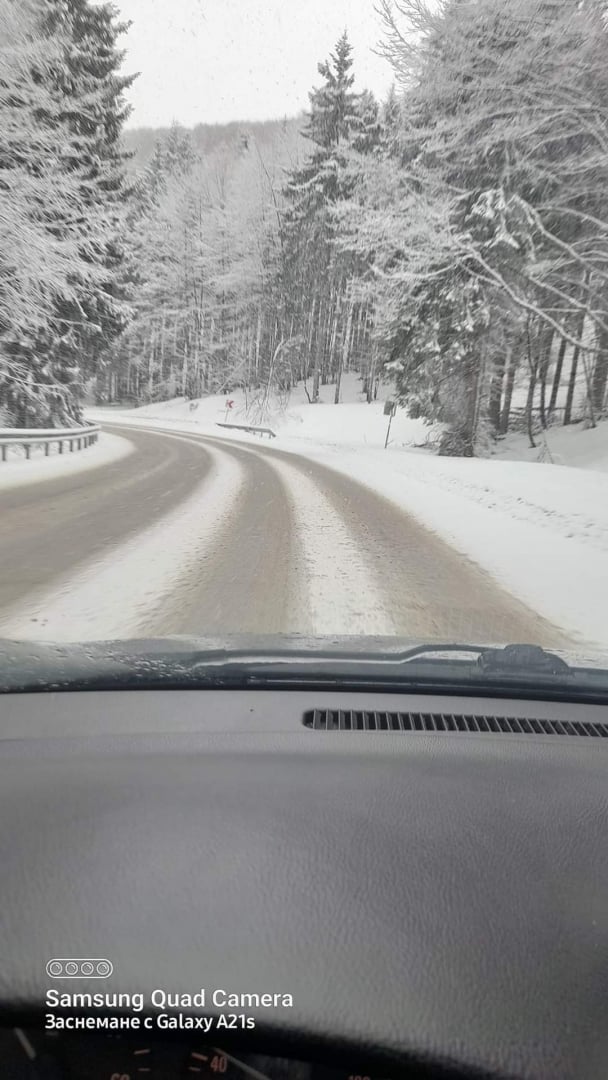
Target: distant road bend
(194, 535)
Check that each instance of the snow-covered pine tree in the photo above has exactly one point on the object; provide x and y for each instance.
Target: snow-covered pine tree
(204, 238)
(333, 106)
(368, 126)
(390, 121)
(41, 215)
(148, 359)
(499, 185)
(316, 274)
(61, 202)
(89, 89)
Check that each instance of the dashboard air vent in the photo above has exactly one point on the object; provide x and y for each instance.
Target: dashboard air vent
(355, 720)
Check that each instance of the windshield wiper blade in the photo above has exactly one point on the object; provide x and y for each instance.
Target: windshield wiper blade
(513, 659)
(375, 665)
(528, 658)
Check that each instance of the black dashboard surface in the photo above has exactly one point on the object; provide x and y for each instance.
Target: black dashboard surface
(435, 898)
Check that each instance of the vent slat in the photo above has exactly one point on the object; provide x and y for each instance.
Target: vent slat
(450, 723)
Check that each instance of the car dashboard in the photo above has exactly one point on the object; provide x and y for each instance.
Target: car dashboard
(26, 1053)
(431, 894)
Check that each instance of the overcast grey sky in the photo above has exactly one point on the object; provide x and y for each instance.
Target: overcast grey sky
(206, 61)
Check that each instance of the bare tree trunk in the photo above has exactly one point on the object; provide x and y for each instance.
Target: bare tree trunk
(529, 409)
(185, 372)
(557, 375)
(474, 371)
(533, 366)
(371, 376)
(151, 365)
(271, 370)
(344, 355)
(505, 414)
(258, 342)
(197, 387)
(479, 383)
(332, 366)
(311, 337)
(580, 327)
(496, 387)
(546, 341)
(571, 385)
(600, 371)
(318, 356)
(326, 351)
(162, 345)
(174, 356)
(357, 347)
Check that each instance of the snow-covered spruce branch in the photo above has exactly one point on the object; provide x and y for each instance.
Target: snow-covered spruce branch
(492, 276)
(570, 211)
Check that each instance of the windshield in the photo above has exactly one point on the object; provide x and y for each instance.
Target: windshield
(304, 322)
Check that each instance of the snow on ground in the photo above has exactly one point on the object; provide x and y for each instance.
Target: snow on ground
(351, 423)
(539, 528)
(18, 471)
(575, 445)
(83, 606)
(541, 531)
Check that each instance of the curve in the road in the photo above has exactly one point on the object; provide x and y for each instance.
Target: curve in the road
(426, 588)
(372, 568)
(249, 578)
(300, 548)
(50, 528)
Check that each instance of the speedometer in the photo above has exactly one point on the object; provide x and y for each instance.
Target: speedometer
(49, 1056)
(28, 1054)
(117, 1058)
(320, 1072)
(217, 1063)
(213, 1063)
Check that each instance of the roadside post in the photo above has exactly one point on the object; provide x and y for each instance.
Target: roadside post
(390, 409)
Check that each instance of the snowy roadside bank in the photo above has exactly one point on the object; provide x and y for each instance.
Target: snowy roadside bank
(540, 530)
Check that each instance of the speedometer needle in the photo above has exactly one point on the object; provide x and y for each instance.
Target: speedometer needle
(25, 1043)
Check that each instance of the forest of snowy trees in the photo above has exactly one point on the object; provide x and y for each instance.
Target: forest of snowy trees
(453, 237)
(64, 291)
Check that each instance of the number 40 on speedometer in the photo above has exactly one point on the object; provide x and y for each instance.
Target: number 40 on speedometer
(218, 1063)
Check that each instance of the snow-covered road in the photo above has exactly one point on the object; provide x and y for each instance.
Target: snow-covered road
(190, 534)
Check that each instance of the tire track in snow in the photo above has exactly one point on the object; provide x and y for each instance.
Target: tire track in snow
(249, 580)
(432, 590)
(339, 585)
(368, 567)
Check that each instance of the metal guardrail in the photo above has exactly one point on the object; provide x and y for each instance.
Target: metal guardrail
(74, 438)
(248, 427)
